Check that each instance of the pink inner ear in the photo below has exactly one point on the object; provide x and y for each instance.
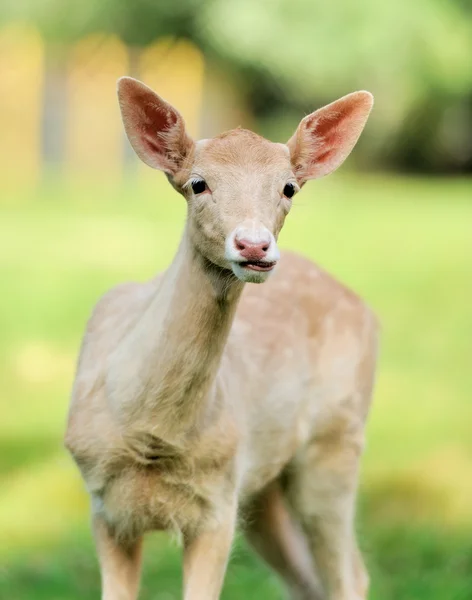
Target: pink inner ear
(325, 122)
(330, 132)
(323, 156)
(156, 122)
(150, 144)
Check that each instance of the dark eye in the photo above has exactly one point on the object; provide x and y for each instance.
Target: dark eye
(199, 186)
(289, 190)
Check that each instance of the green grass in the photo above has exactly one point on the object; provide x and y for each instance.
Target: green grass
(404, 244)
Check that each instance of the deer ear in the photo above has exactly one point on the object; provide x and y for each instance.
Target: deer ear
(154, 128)
(324, 139)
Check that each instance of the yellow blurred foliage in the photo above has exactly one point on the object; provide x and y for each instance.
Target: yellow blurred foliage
(94, 131)
(21, 88)
(94, 140)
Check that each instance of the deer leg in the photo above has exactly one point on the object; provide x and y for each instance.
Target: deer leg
(205, 559)
(120, 563)
(323, 492)
(272, 532)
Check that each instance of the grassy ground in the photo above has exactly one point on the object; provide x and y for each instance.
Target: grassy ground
(405, 245)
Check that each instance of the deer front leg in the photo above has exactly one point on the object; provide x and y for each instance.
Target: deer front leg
(205, 558)
(120, 563)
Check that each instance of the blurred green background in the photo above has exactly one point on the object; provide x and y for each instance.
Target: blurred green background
(78, 214)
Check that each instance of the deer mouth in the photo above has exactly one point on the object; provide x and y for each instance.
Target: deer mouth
(258, 265)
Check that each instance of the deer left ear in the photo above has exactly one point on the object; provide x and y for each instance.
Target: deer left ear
(325, 138)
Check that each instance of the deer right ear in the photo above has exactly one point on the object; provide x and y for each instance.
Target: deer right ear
(154, 128)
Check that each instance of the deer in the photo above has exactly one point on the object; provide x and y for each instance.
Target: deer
(203, 403)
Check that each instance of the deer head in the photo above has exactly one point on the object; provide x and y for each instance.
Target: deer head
(239, 186)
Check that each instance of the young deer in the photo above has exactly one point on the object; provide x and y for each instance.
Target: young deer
(199, 400)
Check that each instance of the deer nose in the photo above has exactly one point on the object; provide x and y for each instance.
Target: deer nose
(251, 250)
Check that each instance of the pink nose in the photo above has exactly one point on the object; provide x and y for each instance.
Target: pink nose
(251, 250)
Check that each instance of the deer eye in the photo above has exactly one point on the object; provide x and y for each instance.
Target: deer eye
(199, 186)
(289, 190)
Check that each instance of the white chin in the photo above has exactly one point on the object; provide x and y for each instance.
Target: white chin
(248, 275)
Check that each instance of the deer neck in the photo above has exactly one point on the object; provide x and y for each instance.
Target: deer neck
(178, 343)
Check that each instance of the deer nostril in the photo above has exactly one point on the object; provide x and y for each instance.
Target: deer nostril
(265, 247)
(239, 244)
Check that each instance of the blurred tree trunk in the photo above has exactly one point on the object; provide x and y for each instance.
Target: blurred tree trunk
(224, 103)
(54, 111)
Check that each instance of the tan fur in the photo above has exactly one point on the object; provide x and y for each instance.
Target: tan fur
(199, 399)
